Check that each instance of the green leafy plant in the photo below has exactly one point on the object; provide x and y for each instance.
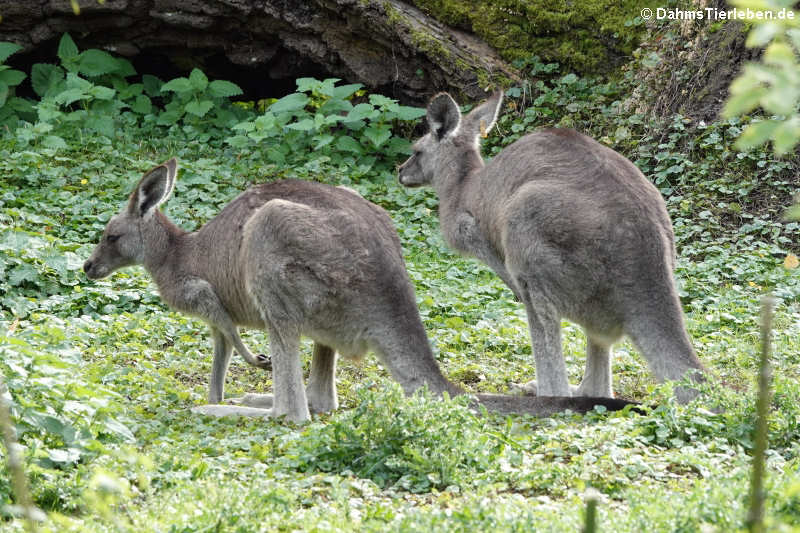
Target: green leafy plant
(322, 118)
(195, 99)
(11, 105)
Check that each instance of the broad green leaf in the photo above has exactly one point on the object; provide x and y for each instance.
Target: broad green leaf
(290, 102)
(344, 92)
(7, 49)
(410, 113)
(382, 101)
(348, 144)
(223, 89)
(4, 90)
(761, 34)
(102, 124)
(323, 140)
(45, 77)
(95, 62)
(178, 85)
(69, 96)
(781, 99)
(102, 93)
(67, 49)
(12, 77)
(302, 125)
(142, 105)
(198, 79)
(199, 108)
(238, 141)
(786, 135)
(76, 82)
(54, 141)
(306, 85)
(377, 135)
(756, 134)
(779, 54)
(117, 428)
(743, 102)
(361, 112)
(152, 85)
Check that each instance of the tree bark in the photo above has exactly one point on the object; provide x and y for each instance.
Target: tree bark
(388, 45)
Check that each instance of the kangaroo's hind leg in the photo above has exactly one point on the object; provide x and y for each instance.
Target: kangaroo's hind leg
(545, 329)
(597, 381)
(222, 357)
(321, 389)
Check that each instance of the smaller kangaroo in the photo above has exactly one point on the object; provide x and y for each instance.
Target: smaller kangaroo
(573, 228)
(294, 258)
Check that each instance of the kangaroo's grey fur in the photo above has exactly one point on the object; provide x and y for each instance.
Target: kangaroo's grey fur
(294, 258)
(573, 228)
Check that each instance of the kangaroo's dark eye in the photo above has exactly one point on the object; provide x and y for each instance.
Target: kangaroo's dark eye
(112, 238)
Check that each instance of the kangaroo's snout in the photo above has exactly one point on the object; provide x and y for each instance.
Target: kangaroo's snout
(88, 269)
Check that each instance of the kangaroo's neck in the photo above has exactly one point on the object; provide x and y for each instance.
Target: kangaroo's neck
(163, 250)
(457, 186)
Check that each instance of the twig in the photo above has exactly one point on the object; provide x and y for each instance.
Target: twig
(590, 523)
(19, 481)
(755, 517)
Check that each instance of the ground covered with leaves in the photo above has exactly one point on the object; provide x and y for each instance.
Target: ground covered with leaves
(101, 375)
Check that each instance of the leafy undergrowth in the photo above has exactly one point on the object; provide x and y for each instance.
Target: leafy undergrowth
(101, 375)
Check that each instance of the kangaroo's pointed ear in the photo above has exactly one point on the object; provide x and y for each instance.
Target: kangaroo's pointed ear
(444, 117)
(482, 119)
(154, 188)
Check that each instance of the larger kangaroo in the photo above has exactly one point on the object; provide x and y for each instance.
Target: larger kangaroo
(292, 257)
(573, 228)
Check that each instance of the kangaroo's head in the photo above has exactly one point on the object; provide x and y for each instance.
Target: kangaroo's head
(129, 233)
(451, 141)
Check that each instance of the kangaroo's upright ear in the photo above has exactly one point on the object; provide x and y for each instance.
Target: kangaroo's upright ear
(479, 121)
(154, 188)
(444, 117)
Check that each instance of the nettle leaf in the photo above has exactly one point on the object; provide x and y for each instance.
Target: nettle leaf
(377, 135)
(409, 113)
(12, 77)
(306, 124)
(199, 108)
(7, 49)
(142, 105)
(361, 112)
(346, 91)
(55, 142)
(198, 80)
(152, 85)
(45, 77)
(348, 144)
(96, 63)
(178, 85)
(67, 49)
(238, 141)
(69, 96)
(290, 102)
(306, 85)
(102, 124)
(102, 93)
(223, 89)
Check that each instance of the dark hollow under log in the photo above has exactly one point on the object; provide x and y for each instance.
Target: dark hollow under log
(388, 45)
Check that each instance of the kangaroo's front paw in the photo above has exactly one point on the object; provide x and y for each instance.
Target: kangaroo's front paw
(264, 361)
